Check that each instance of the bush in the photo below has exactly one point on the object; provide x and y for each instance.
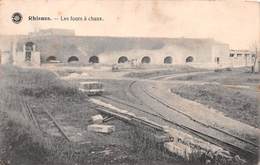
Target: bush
(52, 90)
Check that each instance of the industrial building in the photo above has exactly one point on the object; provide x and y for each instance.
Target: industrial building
(63, 46)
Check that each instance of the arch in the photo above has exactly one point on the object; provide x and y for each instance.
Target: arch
(167, 60)
(146, 60)
(73, 59)
(29, 46)
(189, 59)
(51, 58)
(122, 59)
(93, 59)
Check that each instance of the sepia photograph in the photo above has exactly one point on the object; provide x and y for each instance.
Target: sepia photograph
(129, 82)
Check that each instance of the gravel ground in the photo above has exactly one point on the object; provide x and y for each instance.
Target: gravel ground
(237, 104)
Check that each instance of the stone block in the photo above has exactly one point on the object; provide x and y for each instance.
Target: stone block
(101, 128)
(97, 119)
(179, 149)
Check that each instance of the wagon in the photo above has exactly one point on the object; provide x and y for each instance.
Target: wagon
(92, 88)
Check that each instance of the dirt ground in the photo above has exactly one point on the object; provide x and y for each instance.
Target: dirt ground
(22, 144)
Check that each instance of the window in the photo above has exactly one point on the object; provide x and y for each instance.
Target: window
(29, 47)
(28, 56)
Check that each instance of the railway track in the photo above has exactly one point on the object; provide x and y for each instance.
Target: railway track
(250, 151)
(184, 114)
(201, 123)
(138, 100)
(252, 147)
(249, 154)
(30, 115)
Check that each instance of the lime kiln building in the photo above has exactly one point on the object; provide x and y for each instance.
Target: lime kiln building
(63, 46)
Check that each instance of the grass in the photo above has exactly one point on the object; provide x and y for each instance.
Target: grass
(234, 103)
(24, 144)
(23, 141)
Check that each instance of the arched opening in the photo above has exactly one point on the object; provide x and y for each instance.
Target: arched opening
(73, 59)
(29, 47)
(51, 58)
(93, 60)
(189, 59)
(146, 60)
(167, 60)
(122, 59)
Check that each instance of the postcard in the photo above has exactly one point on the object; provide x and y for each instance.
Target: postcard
(146, 82)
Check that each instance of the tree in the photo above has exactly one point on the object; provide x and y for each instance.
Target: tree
(255, 48)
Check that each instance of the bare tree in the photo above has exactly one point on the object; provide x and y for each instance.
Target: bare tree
(255, 49)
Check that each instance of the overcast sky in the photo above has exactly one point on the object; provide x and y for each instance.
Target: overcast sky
(232, 21)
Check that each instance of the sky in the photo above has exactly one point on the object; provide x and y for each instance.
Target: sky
(235, 22)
